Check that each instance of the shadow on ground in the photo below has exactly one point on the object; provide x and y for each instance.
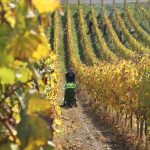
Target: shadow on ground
(118, 140)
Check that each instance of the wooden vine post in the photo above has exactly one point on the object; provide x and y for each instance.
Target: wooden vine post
(114, 4)
(137, 3)
(125, 3)
(79, 2)
(90, 2)
(102, 2)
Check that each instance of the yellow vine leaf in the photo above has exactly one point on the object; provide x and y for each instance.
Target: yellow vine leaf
(11, 19)
(58, 110)
(58, 122)
(57, 131)
(46, 5)
(53, 57)
(34, 144)
(37, 105)
(41, 52)
(17, 117)
(31, 45)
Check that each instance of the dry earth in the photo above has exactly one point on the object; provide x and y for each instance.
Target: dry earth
(83, 130)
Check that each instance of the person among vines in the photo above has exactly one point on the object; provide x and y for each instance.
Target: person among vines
(69, 97)
(90, 25)
(105, 30)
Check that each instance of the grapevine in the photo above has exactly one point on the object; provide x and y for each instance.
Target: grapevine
(136, 46)
(143, 35)
(145, 13)
(142, 19)
(122, 50)
(86, 44)
(107, 54)
(55, 31)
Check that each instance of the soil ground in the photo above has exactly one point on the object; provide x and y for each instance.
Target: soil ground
(83, 130)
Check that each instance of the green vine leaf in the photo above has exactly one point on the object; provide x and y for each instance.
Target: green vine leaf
(7, 76)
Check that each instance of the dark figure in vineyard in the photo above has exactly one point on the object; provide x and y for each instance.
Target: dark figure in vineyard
(105, 30)
(70, 76)
(99, 25)
(90, 25)
(69, 98)
(39, 19)
(120, 37)
(123, 41)
(133, 33)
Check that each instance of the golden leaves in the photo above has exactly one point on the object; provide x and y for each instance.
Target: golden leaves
(23, 45)
(44, 6)
(37, 105)
(32, 46)
(58, 122)
(121, 49)
(42, 50)
(10, 15)
(108, 54)
(11, 19)
(135, 45)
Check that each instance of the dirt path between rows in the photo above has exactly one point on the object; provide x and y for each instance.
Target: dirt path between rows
(82, 130)
(79, 131)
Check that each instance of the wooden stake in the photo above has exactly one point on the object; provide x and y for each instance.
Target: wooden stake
(125, 3)
(79, 2)
(137, 3)
(91, 2)
(113, 2)
(102, 2)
